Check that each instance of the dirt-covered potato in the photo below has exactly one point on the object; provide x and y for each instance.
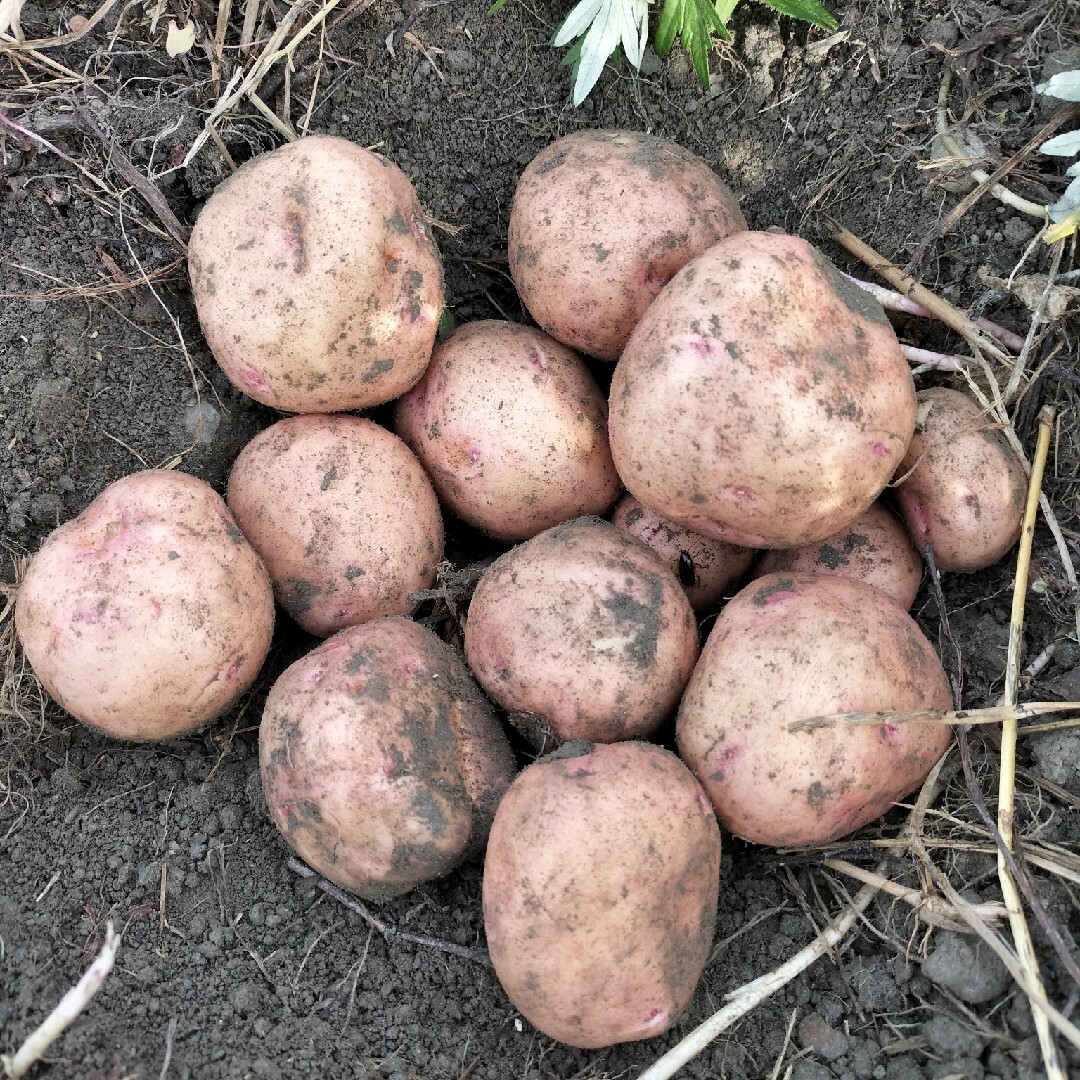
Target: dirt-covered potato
(762, 399)
(342, 514)
(600, 222)
(790, 647)
(148, 614)
(600, 889)
(582, 633)
(317, 282)
(512, 429)
(874, 548)
(382, 762)
(963, 488)
(704, 567)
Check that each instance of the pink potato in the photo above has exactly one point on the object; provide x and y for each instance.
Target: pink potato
(512, 430)
(382, 762)
(600, 221)
(316, 280)
(874, 548)
(704, 567)
(962, 489)
(342, 514)
(582, 633)
(789, 647)
(600, 890)
(148, 614)
(763, 399)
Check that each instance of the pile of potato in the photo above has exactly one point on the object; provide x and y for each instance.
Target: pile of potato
(759, 402)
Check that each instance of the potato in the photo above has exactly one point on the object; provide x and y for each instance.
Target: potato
(600, 889)
(793, 646)
(763, 399)
(874, 548)
(704, 567)
(382, 762)
(512, 430)
(582, 633)
(963, 489)
(317, 283)
(148, 614)
(342, 514)
(600, 221)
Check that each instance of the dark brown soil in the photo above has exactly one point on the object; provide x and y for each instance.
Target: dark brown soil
(231, 964)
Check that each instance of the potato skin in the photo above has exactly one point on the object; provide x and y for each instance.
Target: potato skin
(512, 429)
(582, 633)
(713, 565)
(874, 548)
(316, 280)
(600, 221)
(966, 493)
(790, 647)
(762, 399)
(148, 614)
(342, 514)
(382, 763)
(600, 890)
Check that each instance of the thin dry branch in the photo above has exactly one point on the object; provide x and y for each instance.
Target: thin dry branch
(1025, 949)
(994, 714)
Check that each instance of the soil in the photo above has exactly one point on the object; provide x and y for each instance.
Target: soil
(231, 964)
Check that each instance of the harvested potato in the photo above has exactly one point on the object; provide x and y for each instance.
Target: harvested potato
(963, 488)
(317, 282)
(704, 567)
(789, 647)
(763, 399)
(600, 889)
(382, 762)
(342, 514)
(874, 548)
(600, 222)
(148, 614)
(582, 633)
(512, 430)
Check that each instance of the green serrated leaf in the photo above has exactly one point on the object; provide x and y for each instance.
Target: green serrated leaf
(808, 10)
(573, 57)
(694, 22)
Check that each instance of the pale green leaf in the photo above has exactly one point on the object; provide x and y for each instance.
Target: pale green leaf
(1064, 85)
(1064, 145)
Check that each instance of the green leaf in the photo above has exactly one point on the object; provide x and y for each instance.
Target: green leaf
(694, 21)
(1064, 145)
(447, 322)
(497, 6)
(808, 10)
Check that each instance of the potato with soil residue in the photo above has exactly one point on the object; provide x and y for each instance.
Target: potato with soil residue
(789, 647)
(763, 399)
(342, 514)
(316, 280)
(600, 222)
(582, 633)
(148, 614)
(382, 762)
(600, 890)
(962, 488)
(705, 567)
(512, 429)
(874, 548)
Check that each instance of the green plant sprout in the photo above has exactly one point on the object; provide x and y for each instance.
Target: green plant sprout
(1065, 213)
(599, 28)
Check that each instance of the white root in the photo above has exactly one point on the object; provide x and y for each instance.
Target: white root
(71, 1004)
